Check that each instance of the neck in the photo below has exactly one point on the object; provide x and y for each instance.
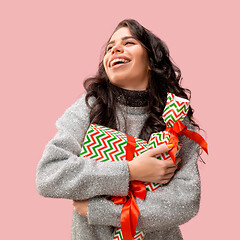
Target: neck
(129, 97)
(137, 87)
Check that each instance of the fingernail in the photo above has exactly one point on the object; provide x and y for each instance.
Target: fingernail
(169, 145)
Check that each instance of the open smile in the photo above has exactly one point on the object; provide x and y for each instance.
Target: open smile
(117, 60)
(119, 65)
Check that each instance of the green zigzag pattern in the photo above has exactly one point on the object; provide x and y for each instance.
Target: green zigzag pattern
(183, 108)
(170, 116)
(169, 97)
(109, 142)
(110, 147)
(122, 150)
(160, 138)
(118, 235)
(97, 145)
(141, 235)
(87, 141)
(153, 186)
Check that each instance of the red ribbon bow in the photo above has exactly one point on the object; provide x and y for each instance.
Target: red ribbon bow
(130, 211)
(179, 129)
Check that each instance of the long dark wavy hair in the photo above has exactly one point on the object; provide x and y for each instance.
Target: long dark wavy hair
(165, 77)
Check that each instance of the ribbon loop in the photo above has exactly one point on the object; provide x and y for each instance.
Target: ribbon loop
(179, 129)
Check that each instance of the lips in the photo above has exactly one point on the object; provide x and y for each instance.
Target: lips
(114, 61)
(118, 65)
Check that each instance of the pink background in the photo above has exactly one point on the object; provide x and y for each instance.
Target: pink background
(49, 47)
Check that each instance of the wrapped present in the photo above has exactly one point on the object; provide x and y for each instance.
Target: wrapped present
(174, 112)
(105, 144)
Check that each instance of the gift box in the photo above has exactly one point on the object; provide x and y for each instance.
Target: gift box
(105, 144)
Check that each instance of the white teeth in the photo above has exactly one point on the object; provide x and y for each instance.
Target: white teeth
(118, 60)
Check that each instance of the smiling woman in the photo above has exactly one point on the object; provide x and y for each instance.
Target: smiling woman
(127, 94)
(126, 61)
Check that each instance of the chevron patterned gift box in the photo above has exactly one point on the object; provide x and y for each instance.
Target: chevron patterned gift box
(105, 144)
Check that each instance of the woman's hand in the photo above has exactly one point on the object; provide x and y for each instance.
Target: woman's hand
(81, 207)
(147, 168)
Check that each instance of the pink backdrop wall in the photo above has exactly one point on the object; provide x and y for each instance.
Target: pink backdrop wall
(49, 47)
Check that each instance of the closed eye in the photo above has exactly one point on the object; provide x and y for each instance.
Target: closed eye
(109, 48)
(129, 43)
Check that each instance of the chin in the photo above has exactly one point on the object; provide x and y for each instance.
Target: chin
(117, 82)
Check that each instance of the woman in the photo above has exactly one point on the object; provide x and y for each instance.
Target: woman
(128, 94)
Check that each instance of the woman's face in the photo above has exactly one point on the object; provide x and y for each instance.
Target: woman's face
(126, 61)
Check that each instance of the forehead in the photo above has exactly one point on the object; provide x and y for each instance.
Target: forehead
(120, 33)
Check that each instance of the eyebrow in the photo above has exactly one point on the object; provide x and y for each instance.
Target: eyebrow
(123, 38)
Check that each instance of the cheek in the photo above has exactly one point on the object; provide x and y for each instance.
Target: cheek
(105, 63)
(142, 60)
(141, 56)
(105, 60)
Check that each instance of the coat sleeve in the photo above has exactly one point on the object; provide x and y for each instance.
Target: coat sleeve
(61, 173)
(168, 206)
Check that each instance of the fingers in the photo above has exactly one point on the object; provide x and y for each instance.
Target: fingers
(168, 176)
(167, 163)
(170, 169)
(74, 202)
(74, 205)
(165, 181)
(171, 166)
(160, 149)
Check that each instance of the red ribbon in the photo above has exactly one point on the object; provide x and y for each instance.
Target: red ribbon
(130, 148)
(130, 211)
(180, 129)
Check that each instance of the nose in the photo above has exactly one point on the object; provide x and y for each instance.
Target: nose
(117, 48)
